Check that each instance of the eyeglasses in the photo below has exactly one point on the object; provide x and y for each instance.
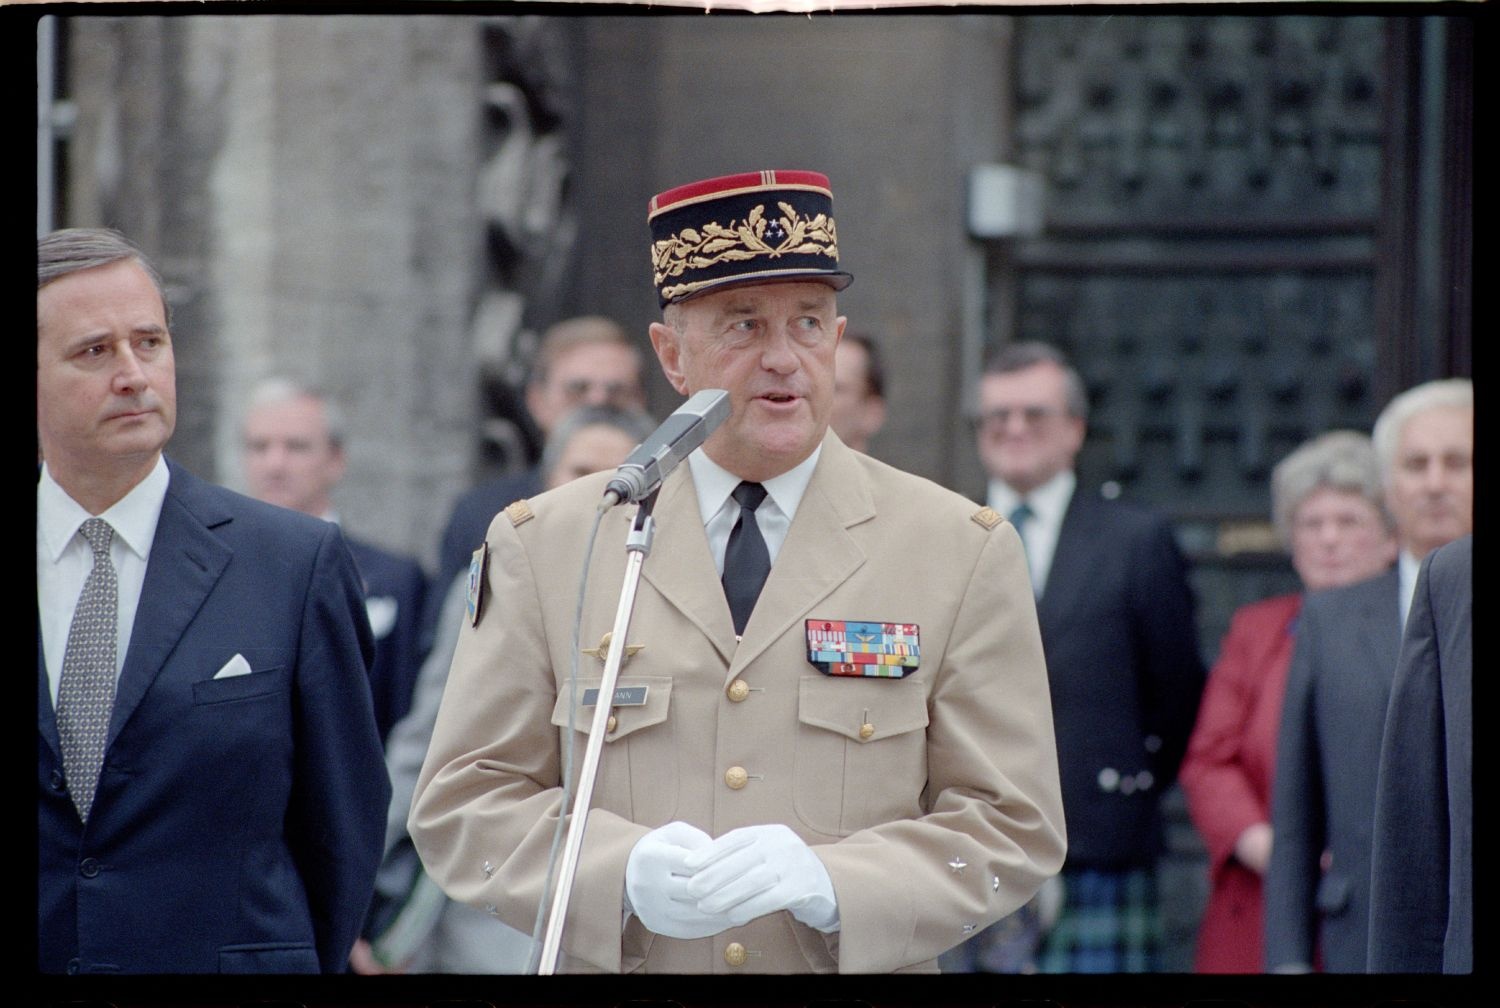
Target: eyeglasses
(997, 420)
(614, 393)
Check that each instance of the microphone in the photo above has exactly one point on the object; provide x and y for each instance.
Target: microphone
(654, 458)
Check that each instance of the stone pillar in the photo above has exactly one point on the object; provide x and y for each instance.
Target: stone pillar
(307, 185)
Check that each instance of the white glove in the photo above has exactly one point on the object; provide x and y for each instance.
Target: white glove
(656, 879)
(756, 870)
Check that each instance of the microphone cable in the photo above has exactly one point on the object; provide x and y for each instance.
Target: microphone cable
(534, 960)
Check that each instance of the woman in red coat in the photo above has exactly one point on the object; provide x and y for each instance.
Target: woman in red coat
(1326, 500)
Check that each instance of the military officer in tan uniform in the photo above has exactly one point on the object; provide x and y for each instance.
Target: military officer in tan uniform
(851, 771)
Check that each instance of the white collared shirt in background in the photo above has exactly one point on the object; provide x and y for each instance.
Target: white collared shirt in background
(1048, 503)
(64, 559)
(719, 511)
(1407, 567)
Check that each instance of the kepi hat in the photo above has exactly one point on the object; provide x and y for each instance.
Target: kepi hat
(754, 227)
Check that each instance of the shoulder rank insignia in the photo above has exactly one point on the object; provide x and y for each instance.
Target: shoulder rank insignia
(519, 512)
(986, 516)
(875, 650)
(479, 565)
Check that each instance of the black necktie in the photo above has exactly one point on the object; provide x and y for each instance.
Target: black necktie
(746, 559)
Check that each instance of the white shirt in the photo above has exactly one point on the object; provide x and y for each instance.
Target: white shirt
(1407, 567)
(64, 559)
(719, 510)
(1049, 503)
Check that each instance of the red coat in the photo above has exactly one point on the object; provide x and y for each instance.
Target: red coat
(1227, 775)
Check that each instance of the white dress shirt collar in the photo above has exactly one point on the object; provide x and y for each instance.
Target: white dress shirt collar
(714, 485)
(1049, 505)
(1407, 567)
(133, 517)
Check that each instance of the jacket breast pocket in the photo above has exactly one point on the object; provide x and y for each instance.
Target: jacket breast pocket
(268, 957)
(861, 755)
(266, 682)
(637, 775)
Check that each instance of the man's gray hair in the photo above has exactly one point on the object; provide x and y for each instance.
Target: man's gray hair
(279, 389)
(1339, 460)
(72, 250)
(633, 423)
(1019, 356)
(1455, 393)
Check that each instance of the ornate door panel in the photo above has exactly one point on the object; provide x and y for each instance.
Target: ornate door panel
(1208, 257)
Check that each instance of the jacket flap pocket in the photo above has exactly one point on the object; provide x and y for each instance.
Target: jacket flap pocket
(640, 702)
(863, 709)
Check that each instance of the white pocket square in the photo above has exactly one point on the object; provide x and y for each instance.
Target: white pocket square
(233, 667)
(382, 612)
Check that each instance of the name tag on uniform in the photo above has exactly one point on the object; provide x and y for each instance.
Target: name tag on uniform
(868, 650)
(625, 696)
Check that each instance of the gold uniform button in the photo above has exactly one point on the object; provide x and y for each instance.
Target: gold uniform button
(736, 777)
(866, 730)
(612, 723)
(734, 954)
(738, 690)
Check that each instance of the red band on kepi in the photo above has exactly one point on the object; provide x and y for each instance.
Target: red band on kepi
(754, 227)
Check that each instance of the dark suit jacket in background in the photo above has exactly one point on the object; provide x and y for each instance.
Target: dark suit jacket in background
(1126, 675)
(1422, 866)
(470, 520)
(238, 821)
(393, 585)
(1324, 793)
(468, 523)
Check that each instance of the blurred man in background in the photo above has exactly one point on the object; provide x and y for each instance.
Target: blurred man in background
(858, 391)
(293, 455)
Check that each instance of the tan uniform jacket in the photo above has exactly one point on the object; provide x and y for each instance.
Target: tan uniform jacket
(932, 800)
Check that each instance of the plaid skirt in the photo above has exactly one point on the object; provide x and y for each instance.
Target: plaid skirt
(1109, 924)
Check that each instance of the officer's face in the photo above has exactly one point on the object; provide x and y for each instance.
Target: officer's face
(772, 347)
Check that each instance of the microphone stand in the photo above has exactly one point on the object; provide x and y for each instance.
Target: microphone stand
(637, 545)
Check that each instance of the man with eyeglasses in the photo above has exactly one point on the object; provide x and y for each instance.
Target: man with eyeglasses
(583, 361)
(1119, 635)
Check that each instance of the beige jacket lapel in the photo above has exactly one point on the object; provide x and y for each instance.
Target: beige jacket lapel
(680, 567)
(819, 553)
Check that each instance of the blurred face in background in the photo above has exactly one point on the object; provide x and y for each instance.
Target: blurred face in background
(290, 460)
(591, 449)
(1026, 434)
(1338, 538)
(857, 411)
(1430, 487)
(590, 374)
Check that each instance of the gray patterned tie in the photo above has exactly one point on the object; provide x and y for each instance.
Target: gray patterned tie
(86, 689)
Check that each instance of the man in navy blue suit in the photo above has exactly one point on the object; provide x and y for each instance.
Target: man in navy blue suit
(294, 456)
(211, 791)
(1120, 637)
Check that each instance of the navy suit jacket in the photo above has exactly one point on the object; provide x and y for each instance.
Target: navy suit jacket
(470, 520)
(1422, 866)
(395, 588)
(1121, 642)
(1323, 796)
(238, 822)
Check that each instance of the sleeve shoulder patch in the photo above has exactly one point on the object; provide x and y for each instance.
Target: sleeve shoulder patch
(519, 512)
(986, 516)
